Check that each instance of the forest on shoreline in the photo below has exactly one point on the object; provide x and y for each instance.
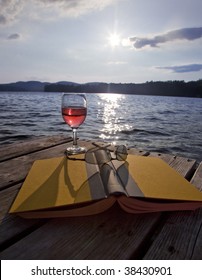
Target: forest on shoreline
(167, 88)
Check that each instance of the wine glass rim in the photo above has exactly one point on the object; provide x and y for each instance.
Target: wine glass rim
(81, 94)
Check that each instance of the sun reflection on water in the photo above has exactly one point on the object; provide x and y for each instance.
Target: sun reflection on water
(113, 118)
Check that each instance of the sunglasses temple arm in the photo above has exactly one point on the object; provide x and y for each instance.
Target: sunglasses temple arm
(103, 146)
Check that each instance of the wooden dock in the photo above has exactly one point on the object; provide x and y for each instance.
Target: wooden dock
(113, 234)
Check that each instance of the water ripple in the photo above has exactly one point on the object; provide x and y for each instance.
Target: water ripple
(162, 124)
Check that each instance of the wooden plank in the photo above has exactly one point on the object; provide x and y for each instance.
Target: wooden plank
(184, 166)
(22, 148)
(6, 199)
(110, 235)
(111, 147)
(16, 228)
(197, 178)
(181, 235)
(138, 152)
(166, 157)
(197, 247)
(15, 170)
(11, 225)
(102, 236)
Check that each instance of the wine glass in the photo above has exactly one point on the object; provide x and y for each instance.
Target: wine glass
(74, 112)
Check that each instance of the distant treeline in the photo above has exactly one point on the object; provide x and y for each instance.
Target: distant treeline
(169, 88)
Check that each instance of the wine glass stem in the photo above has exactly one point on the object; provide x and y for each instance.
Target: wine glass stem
(74, 136)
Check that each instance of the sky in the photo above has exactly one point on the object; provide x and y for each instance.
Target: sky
(119, 41)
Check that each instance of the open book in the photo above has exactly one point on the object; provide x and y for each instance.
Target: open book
(60, 187)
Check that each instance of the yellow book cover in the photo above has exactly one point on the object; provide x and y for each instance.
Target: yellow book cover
(60, 186)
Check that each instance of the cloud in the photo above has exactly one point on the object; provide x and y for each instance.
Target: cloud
(10, 9)
(179, 34)
(13, 36)
(183, 68)
(116, 62)
(74, 8)
(2, 19)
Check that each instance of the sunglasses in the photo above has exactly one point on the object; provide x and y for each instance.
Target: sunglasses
(102, 155)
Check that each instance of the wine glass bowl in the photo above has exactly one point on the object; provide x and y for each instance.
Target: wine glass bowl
(74, 111)
(74, 116)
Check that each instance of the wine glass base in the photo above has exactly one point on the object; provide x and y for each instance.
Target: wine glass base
(74, 150)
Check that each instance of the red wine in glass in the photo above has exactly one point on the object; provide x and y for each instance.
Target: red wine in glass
(74, 116)
(74, 111)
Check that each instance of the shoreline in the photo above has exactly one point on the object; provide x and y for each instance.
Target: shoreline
(153, 88)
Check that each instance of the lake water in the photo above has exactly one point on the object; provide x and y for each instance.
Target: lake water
(162, 124)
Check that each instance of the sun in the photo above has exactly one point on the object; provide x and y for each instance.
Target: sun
(114, 39)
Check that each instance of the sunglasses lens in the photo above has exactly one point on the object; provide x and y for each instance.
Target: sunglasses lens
(121, 153)
(98, 156)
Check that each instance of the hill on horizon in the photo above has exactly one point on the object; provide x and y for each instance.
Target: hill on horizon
(166, 88)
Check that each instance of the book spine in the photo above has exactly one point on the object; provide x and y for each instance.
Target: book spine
(111, 181)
